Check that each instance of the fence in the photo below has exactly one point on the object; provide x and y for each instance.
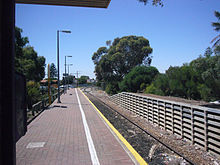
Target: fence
(200, 125)
(42, 105)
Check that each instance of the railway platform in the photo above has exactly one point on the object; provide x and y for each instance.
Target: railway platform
(74, 132)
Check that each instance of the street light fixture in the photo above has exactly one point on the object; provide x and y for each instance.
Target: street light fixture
(65, 31)
(58, 67)
(65, 73)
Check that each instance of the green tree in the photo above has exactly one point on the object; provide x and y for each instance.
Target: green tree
(138, 76)
(198, 80)
(153, 90)
(68, 79)
(205, 92)
(183, 82)
(160, 85)
(33, 66)
(175, 82)
(111, 65)
(53, 71)
(208, 71)
(178, 81)
(33, 93)
(83, 79)
(108, 43)
(30, 64)
(97, 55)
(112, 88)
(208, 52)
(217, 50)
(216, 26)
(27, 61)
(20, 42)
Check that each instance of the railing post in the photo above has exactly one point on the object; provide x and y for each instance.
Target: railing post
(181, 116)
(158, 113)
(131, 107)
(165, 116)
(32, 110)
(206, 129)
(45, 103)
(42, 104)
(142, 102)
(148, 110)
(172, 113)
(192, 125)
(118, 98)
(36, 108)
(123, 99)
(48, 102)
(152, 110)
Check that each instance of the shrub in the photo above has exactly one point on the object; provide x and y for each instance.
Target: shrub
(151, 89)
(137, 78)
(111, 88)
(33, 93)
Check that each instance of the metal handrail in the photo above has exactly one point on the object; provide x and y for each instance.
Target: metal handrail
(43, 104)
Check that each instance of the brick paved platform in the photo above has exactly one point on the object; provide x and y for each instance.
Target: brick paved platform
(57, 137)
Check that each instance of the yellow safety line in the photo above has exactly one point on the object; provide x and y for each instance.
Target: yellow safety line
(130, 148)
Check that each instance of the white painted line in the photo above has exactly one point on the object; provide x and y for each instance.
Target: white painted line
(35, 145)
(94, 157)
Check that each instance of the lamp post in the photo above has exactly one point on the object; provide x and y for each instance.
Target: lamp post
(68, 73)
(58, 68)
(65, 73)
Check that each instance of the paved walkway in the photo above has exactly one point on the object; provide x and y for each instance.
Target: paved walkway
(71, 133)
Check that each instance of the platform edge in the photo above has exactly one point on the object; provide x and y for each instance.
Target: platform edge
(139, 159)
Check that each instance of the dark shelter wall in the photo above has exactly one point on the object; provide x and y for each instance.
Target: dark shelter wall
(7, 94)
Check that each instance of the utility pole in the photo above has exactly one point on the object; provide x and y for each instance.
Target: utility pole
(77, 73)
(65, 77)
(77, 78)
(68, 74)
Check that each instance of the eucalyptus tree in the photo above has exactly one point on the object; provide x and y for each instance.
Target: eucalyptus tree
(27, 60)
(113, 63)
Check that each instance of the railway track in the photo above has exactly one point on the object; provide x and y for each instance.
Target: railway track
(155, 153)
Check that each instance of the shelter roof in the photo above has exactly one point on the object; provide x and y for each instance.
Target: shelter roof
(80, 3)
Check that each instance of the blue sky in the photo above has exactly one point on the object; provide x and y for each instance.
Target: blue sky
(178, 32)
